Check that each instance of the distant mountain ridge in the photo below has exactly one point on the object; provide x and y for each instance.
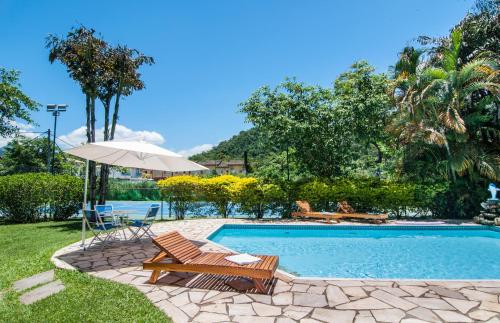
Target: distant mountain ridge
(251, 141)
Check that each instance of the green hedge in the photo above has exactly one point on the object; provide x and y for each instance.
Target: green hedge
(32, 197)
(373, 195)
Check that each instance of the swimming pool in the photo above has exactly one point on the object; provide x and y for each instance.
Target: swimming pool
(405, 252)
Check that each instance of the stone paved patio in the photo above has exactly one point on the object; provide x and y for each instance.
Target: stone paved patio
(206, 298)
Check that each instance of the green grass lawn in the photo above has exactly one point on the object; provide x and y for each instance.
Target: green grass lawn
(25, 249)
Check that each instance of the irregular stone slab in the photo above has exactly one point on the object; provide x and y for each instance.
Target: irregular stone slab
(490, 306)
(445, 292)
(424, 314)
(313, 300)
(284, 320)
(296, 312)
(300, 287)
(354, 291)
(346, 283)
(316, 289)
(190, 309)
(281, 287)
(393, 300)
(210, 317)
(475, 295)
(364, 319)
(196, 297)
(252, 319)
(171, 310)
(41, 292)
(335, 296)
(452, 316)
(266, 310)
(157, 296)
(240, 309)
(38, 279)
(369, 303)
(461, 305)
(494, 320)
(388, 315)
(241, 299)
(482, 315)
(283, 298)
(415, 291)
(334, 316)
(413, 321)
(219, 296)
(180, 300)
(430, 303)
(309, 321)
(215, 308)
(394, 291)
(266, 299)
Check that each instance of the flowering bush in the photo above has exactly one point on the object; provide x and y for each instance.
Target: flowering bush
(183, 191)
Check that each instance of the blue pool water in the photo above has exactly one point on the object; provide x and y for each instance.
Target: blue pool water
(372, 252)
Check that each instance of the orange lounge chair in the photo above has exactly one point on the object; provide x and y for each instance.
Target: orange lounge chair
(305, 211)
(347, 212)
(184, 256)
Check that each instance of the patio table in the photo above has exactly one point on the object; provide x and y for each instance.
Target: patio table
(123, 216)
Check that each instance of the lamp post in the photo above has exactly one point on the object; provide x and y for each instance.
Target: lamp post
(56, 110)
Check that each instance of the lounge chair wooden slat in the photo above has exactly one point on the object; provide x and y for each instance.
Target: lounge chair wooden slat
(189, 258)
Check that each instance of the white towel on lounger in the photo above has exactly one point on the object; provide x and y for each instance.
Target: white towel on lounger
(243, 259)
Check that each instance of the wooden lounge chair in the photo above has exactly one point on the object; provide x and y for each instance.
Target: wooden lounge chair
(347, 212)
(305, 211)
(178, 254)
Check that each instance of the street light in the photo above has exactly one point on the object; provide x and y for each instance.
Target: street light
(56, 110)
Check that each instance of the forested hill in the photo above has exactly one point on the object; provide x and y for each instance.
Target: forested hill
(248, 140)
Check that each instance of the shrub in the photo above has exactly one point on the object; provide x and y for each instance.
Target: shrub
(373, 195)
(183, 191)
(31, 197)
(255, 197)
(219, 191)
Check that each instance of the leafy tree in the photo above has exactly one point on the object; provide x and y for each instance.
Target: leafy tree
(14, 103)
(82, 52)
(120, 77)
(25, 155)
(302, 118)
(362, 102)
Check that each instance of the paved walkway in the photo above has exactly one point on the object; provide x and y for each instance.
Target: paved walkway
(45, 287)
(206, 298)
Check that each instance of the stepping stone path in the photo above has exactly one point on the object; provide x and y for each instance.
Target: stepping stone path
(207, 298)
(46, 287)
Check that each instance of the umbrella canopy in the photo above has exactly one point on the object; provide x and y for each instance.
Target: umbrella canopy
(135, 154)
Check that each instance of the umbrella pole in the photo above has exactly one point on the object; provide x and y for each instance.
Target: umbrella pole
(84, 206)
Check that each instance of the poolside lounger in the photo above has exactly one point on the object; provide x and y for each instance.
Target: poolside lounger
(347, 212)
(183, 256)
(305, 211)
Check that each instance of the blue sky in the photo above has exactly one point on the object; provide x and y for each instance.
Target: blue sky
(211, 55)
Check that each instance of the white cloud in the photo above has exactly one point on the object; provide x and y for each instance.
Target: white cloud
(24, 131)
(122, 133)
(195, 150)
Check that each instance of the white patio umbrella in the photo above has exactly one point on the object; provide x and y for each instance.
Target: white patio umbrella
(136, 154)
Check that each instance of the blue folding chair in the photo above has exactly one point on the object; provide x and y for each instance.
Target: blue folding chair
(103, 230)
(105, 211)
(142, 227)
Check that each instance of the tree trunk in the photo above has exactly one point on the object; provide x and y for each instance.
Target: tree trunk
(92, 164)
(104, 175)
(115, 114)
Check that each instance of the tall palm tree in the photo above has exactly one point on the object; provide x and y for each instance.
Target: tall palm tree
(437, 106)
